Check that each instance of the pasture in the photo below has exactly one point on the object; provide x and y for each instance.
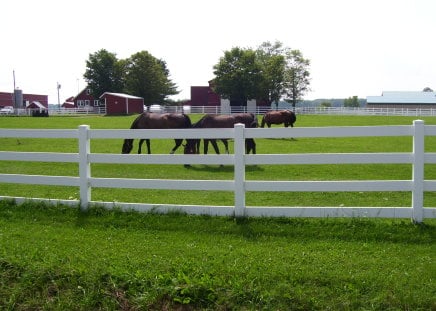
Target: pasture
(58, 258)
(272, 172)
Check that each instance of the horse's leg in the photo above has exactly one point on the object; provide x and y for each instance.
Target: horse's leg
(226, 145)
(141, 141)
(205, 145)
(215, 146)
(178, 143)
(250, 145)
(148, 146)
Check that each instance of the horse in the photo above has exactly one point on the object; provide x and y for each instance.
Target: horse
(278, 117)
(151, 120)
(222, 121)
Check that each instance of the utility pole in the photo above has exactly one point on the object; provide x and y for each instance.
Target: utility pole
(15, 93)
(59, 101)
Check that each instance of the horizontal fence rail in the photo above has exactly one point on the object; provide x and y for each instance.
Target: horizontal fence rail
(417, 185)
(300, 109)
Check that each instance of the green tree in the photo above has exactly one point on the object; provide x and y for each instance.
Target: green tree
(351, 102)
(297, 76)
(326, 104)
(238, 76)
(273, 64)
(148, 77)
(104, 73)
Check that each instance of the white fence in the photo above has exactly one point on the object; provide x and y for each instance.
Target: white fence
(417, 185)
(259, 110)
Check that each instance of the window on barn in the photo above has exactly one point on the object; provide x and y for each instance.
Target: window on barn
(87, 102)
(96, 102)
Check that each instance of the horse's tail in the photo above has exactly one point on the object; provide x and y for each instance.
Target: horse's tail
(187, 121)
(293, 118)
(262, 125)
(255, 122)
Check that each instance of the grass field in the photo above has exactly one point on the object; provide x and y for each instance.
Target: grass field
(260, 172)
(58, 258)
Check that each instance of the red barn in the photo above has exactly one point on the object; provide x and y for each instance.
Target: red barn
(23, 100)
(204, 96)
(83, 100)
(118, 103)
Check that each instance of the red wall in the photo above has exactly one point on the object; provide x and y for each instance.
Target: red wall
(122, 105)
(204, 96)
(7, 99)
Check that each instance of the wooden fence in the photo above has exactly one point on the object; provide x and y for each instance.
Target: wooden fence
(417, 185)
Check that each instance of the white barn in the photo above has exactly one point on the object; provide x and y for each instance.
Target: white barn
(402, 99)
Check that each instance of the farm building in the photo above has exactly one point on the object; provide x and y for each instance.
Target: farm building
(205, 96)
(36, 105)
(118, 103)
(20, 100)
(83, 100)
(421, 100)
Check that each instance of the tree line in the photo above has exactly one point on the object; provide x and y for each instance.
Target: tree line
(269, 73)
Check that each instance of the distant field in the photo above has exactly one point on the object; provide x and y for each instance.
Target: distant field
(268, 172)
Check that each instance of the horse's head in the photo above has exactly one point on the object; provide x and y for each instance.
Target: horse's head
(127, 146)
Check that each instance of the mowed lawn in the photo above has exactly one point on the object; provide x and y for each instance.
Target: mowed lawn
(58, 258)
(258, 172)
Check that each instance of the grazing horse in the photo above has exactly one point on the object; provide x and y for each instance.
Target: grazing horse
(222, 121)
(278, 117)
(151, 120)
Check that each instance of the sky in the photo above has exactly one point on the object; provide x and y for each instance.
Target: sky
(356, 48)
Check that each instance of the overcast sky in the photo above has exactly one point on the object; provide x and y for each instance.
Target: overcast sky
(355, 47)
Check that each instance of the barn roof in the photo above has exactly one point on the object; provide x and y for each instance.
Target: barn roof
(36, 104)
(120, 95)
(395, 97)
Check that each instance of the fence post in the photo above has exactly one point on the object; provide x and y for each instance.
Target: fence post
(239, 149)
(418, 170)
(84, 167)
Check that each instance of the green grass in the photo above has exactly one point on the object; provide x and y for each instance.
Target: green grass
(57, 258)
(259, 172)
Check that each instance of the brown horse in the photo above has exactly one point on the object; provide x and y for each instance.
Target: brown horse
(151, 120)
(222, 121)
(278, 117)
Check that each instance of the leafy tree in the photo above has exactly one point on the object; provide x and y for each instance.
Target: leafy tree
(273, 64)
(238, 76)
(104, 73)
(297, 76)
(427, 89)
(326, 104)
(351, 102)
(148, 77)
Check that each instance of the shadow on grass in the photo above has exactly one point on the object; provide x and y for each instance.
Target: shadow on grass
(222, 168)
(253, 229)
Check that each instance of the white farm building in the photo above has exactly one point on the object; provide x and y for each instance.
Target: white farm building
(415, 100)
